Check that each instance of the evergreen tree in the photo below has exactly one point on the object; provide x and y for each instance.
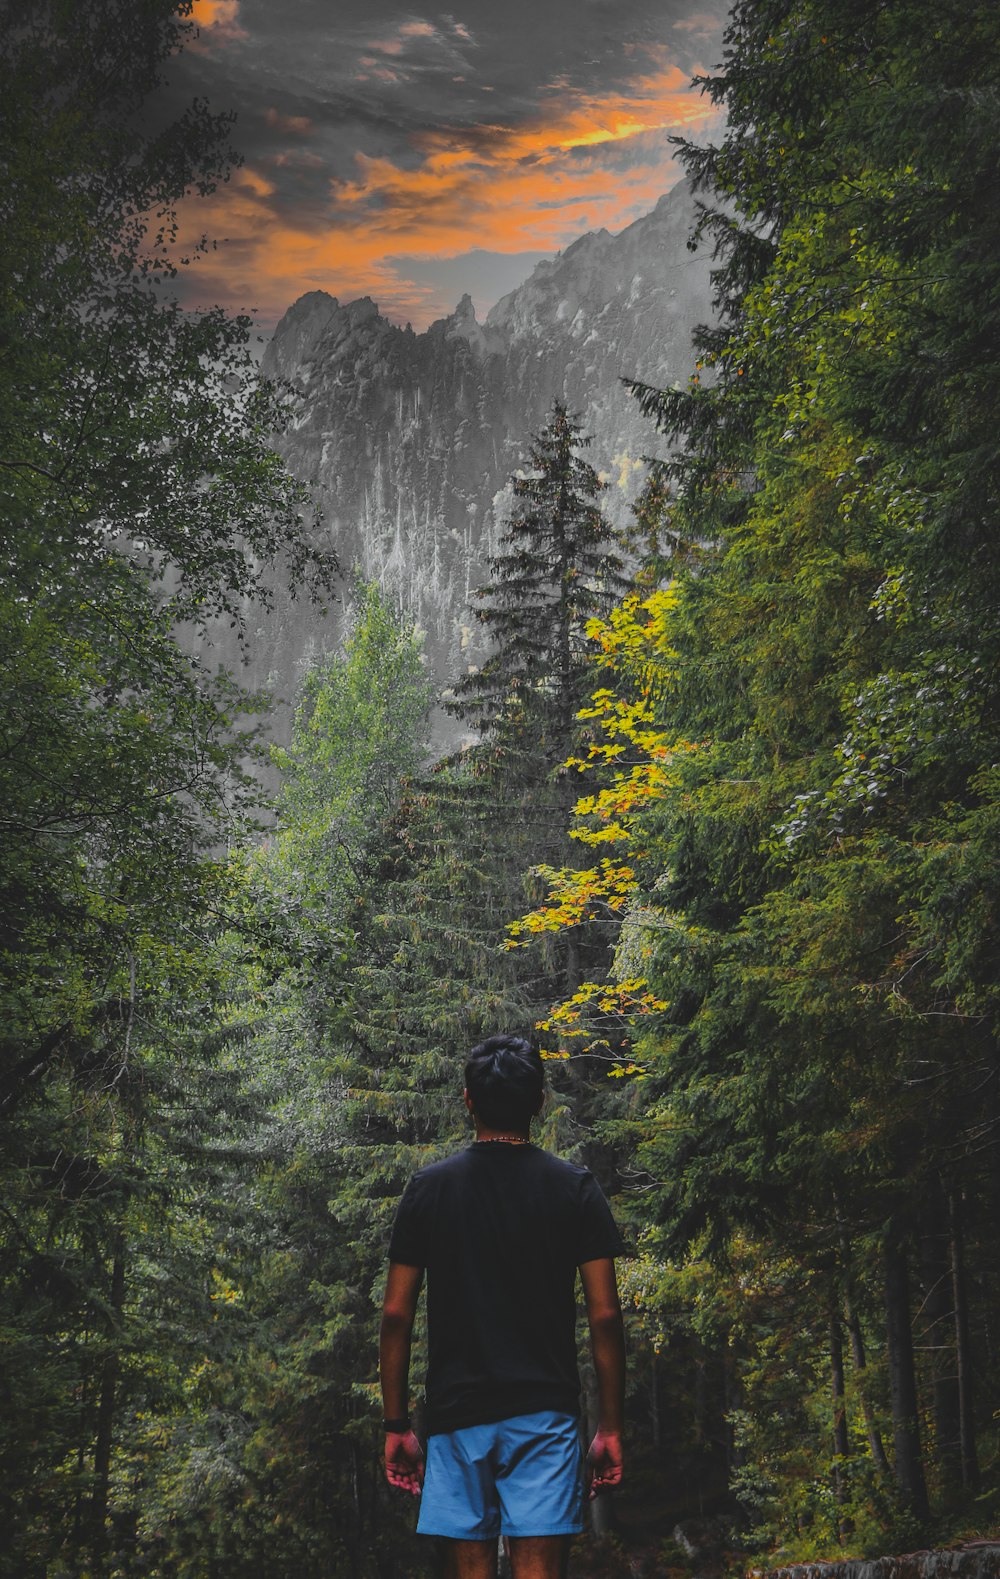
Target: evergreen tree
(559, 565)
(139, 490)
(357, 1050)
(827, 1065)
(814, 897)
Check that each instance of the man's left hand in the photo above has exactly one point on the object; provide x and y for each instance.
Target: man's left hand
(404, 1461)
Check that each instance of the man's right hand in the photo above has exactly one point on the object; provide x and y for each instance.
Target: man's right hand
(604, 1462)
(404, 1461)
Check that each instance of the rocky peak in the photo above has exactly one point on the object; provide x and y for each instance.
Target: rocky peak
(648, 260)
(410, 439)
(301, 332)
(464, 325)
(590, 246)
(464, 314)
(363, 311)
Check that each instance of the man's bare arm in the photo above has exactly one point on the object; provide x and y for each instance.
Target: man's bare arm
(607, 1343)
(404, 1458)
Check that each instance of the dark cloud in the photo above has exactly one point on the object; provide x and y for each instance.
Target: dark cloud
(373, 75)
(360, 112)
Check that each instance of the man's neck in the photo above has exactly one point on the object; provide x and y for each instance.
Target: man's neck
(511, 1137)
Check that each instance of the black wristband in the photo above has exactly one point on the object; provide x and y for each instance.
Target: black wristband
(397, 1425)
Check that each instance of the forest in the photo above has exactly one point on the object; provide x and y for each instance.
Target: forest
(725, 837)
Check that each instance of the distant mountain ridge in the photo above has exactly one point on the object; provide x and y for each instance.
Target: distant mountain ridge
(409, 439)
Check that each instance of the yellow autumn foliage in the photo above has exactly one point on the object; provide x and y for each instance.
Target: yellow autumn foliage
(635, 759)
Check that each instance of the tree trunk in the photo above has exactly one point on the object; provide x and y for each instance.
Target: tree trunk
(572, 974)
(81, 1505)
(733, 1396)
(967, 1424)
(110, 1372)
(875, 1443)
(937, 1329)
(654, 1402)
(841, 1445)
(902, 1379)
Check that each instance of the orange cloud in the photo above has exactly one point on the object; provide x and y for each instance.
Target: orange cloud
(704, 22)
(300, 125)
(534, 186)
(374, 64)
(514, 188)
(217, 21)
(253, 181)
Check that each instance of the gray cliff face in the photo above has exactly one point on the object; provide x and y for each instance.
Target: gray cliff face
(409, 439)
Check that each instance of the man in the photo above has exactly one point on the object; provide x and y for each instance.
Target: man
(501, 1229)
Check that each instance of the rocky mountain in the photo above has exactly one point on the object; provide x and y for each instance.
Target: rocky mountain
(409, 439)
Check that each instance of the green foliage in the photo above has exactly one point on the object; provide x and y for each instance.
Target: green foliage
(558, 566)
(138, 489)
(372, 938)
(274, 1460)
(217, 1073)
(824, 1071)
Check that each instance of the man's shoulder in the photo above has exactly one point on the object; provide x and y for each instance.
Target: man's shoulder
(575, 1170)
(442, 1168)
(558, 1167)
(539, 1161)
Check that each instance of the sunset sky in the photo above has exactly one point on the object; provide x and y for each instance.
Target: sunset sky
(411, 156)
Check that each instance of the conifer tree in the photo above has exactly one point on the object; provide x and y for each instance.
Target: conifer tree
(559, 565)
(138, 492)
(824, 904)
(813, 849)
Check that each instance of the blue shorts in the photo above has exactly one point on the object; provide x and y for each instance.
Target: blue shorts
(522, 1476)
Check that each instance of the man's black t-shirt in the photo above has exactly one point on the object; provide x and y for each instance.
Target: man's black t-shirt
(501, 1230)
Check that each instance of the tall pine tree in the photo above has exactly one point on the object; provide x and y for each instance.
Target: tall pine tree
(826, 1073)
(559, 565)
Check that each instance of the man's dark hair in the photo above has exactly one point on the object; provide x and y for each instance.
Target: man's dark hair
(505, 1079)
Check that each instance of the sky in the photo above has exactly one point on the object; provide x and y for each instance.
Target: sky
(415, 155)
